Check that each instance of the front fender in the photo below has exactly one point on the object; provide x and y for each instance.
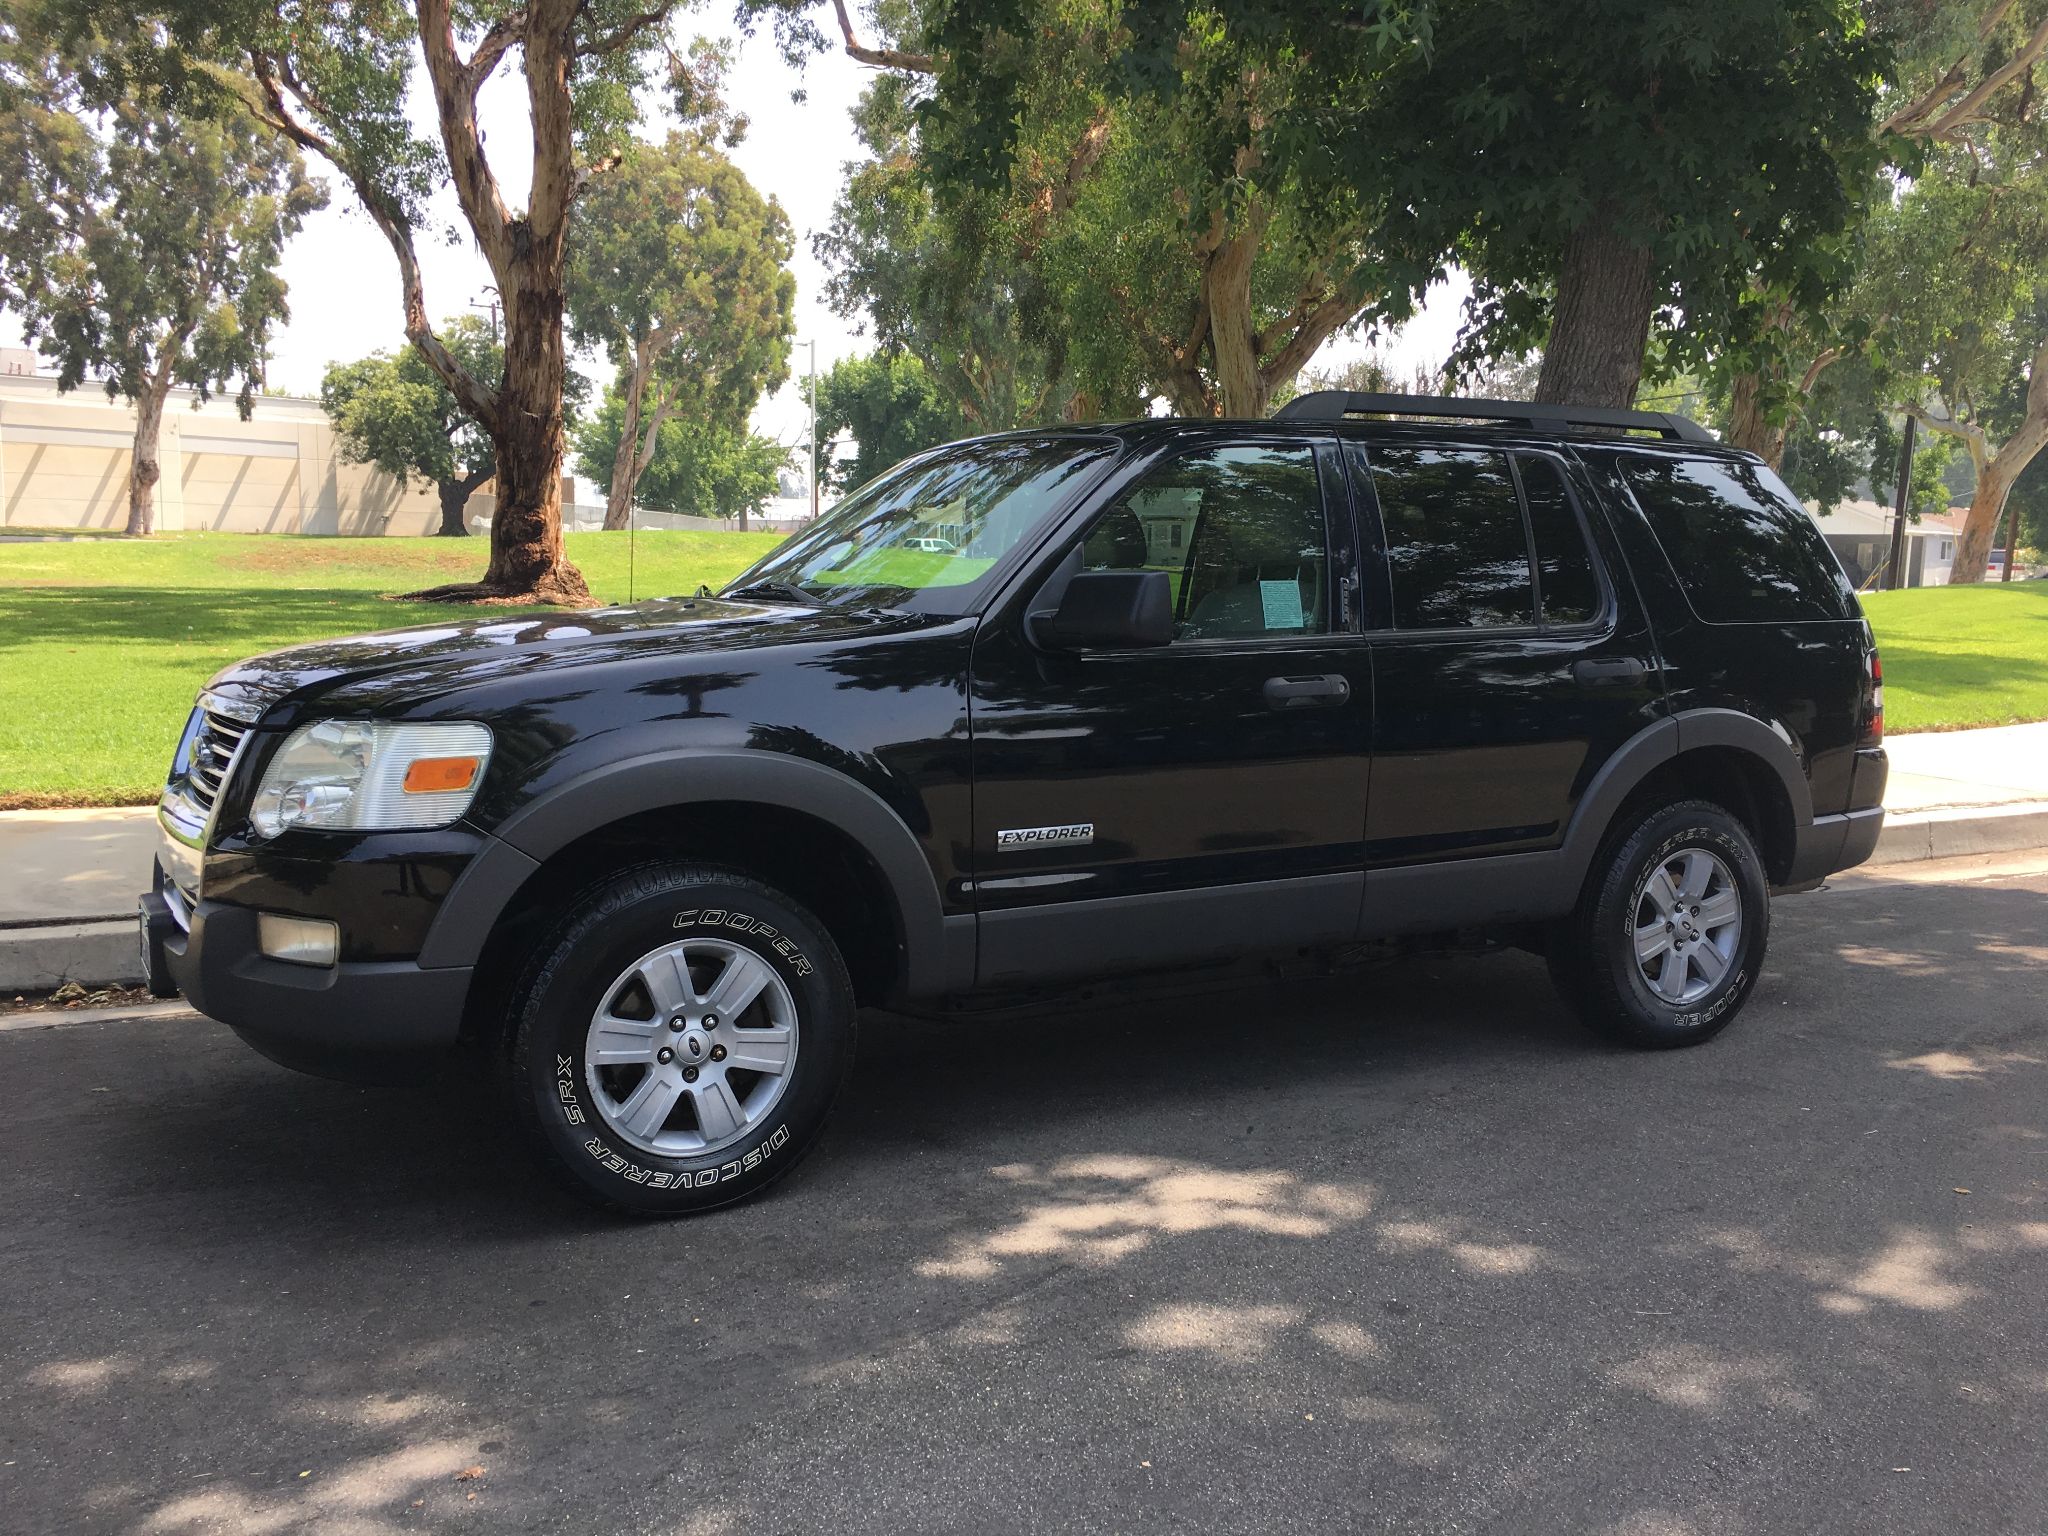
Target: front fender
(938, 954)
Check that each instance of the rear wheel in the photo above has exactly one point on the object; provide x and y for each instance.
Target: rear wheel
(679, 1039)
(1670, 934)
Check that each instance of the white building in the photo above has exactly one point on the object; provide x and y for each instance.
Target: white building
(1860, 534)
(64, 464)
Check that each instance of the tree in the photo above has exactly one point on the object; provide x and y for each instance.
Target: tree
(678, 268)
(1602, 163)
(1956, 271)
(397, 413)
(1161, 172)
(699, 467)
(890, 406)
(333, 77)
(973, 313)
(140, 245)
(1954, 72)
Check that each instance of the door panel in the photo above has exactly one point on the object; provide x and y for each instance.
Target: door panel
(1490, 723)
(1222, 778)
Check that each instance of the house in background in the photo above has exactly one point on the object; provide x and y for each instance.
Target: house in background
(1860, 534)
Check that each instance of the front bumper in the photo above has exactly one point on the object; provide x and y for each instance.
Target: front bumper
(344, 1020)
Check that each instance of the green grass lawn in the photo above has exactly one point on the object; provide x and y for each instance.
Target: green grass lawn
(103, 642)
(1962, 656)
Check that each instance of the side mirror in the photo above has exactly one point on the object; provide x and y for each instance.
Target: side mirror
(1109, 610)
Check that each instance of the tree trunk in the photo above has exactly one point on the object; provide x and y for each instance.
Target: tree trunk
(1240, 383)
(1601, 322)
(627, 462)
(527, 439)
(143, 469)
(455, 496)
(1747, 426)
(1973, 544)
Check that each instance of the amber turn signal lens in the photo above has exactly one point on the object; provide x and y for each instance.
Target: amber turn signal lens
(433, 775)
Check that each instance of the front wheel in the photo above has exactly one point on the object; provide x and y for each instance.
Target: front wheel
(679, 1039)
(1670, 934)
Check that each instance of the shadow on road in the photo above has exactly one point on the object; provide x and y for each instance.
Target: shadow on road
(1402, 1249)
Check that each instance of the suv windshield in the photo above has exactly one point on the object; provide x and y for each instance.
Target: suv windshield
(926, 534)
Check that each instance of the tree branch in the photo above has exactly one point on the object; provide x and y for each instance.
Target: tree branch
(455, 102)
(623, 34)
(1323, 322)
(475, 397)
(880, 58)
(1951, 122)
(496, 44)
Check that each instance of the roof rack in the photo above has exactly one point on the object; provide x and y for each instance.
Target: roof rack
(1334, 404)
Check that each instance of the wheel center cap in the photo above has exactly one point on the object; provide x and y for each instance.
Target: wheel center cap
(694, 1046)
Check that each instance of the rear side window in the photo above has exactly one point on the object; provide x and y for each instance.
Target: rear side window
(1564, 565)
(1456, 551)
(1738, 540)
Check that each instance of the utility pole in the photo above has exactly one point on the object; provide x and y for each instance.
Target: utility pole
(492, 305)
(814, 431)
(1895, 574)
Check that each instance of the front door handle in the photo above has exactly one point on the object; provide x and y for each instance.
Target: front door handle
(1595, 674)
(1325, 691)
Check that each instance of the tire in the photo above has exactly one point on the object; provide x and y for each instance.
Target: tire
(1704, 969)
(739, 1099)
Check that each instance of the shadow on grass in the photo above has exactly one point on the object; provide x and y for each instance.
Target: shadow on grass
(203, 616)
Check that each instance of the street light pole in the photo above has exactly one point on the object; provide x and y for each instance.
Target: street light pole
(814, 431)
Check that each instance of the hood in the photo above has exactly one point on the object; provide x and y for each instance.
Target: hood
(434, 658)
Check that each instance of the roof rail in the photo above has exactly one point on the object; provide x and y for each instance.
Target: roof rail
(1333, 404)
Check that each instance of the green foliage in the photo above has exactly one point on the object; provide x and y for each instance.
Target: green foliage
(137, 244)
(677, 262)
(397, 413)
(701, 467)
(890, 406)
(1731, 139)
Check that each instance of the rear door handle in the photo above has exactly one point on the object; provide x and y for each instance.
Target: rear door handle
(1326, 691)
(1625, 669)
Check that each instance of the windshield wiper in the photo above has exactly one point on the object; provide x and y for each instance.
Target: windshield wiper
(789, 591)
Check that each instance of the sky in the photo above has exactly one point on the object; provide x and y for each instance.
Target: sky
(343, 279)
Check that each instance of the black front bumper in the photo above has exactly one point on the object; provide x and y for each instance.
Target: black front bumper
(345, 1020)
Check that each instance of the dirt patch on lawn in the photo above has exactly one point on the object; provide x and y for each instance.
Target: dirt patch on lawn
(72, 800)
(310, 556)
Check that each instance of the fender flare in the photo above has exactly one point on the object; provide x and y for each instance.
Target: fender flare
(655, 781)
(1657, 744)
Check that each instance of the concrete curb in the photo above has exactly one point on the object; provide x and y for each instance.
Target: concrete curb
(96, 952)
(1962, 830)
(103, 951)
(59, 1018)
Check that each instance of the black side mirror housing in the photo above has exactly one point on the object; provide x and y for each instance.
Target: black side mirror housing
(1109, 610)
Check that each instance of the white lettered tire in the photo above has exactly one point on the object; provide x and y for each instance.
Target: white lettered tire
(679, 1038)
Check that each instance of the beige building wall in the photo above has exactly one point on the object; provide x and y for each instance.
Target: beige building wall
(64, 464)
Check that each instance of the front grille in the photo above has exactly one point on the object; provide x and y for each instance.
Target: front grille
(213, 748)
(199, 770)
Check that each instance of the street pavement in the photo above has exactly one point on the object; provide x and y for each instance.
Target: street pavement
(1397, 1251)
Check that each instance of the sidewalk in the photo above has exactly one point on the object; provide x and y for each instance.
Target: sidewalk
(68, 900)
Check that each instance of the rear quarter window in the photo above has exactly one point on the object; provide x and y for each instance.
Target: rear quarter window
(1738, 541)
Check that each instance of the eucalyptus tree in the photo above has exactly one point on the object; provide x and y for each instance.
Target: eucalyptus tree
(890, 406)
(678, 269)
(334, 77)
(139, 245)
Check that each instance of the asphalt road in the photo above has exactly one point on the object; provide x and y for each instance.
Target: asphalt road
(1396, 1252)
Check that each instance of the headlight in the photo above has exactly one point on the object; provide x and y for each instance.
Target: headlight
(371, 776)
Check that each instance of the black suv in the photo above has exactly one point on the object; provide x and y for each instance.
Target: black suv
(1027, 712)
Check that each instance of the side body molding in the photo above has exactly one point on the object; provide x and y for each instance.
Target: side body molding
(938, 952)
(1517, 887)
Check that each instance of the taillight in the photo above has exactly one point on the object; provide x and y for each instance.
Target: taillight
(1873, 701)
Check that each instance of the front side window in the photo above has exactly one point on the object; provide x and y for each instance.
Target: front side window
(925, 535)
(1240, 532)
(1456, 551)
